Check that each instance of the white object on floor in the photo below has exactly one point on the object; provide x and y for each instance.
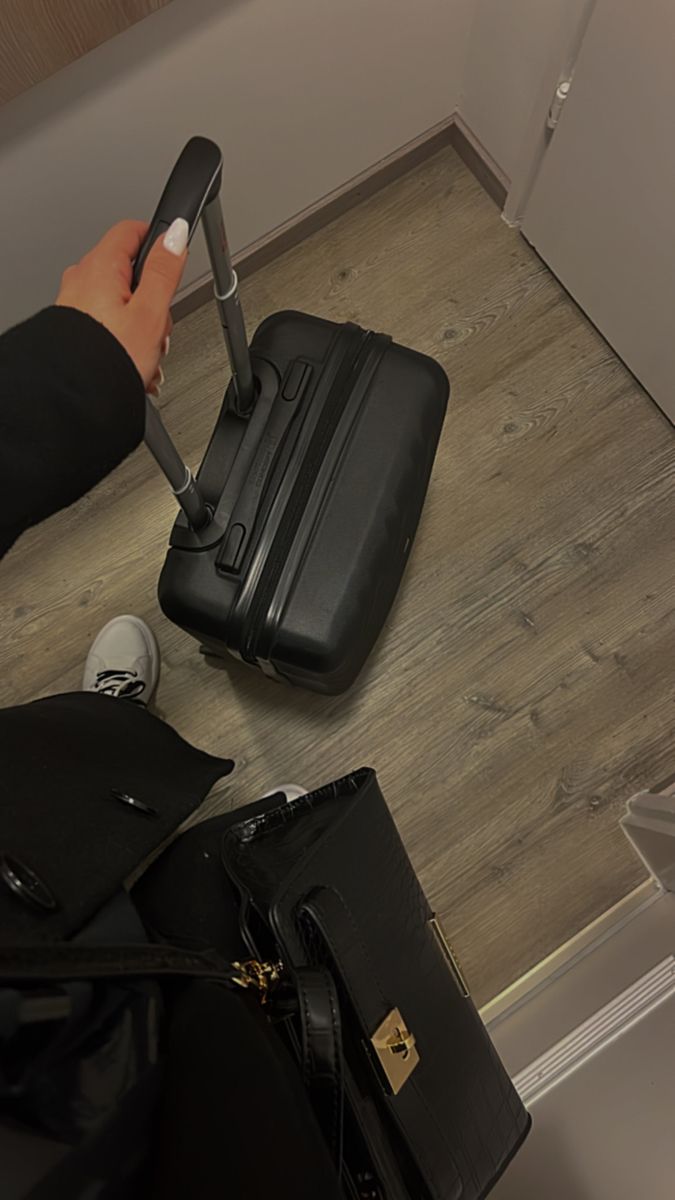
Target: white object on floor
(292, 791)
(123, 661)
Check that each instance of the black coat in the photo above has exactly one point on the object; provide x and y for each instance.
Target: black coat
(232, 1120)
(71, 409)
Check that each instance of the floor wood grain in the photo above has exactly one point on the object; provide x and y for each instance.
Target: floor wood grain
(523, 687)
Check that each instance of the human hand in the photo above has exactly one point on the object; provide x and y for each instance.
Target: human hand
(100, 285)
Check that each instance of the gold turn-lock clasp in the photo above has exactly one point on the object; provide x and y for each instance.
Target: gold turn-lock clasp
(396, 1050)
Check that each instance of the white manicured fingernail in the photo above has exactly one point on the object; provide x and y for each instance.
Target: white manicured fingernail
(165, 345)
(176, 236)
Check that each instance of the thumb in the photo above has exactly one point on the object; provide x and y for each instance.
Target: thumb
(164, 267)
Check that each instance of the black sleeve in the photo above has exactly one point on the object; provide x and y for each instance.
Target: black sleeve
(71, 408)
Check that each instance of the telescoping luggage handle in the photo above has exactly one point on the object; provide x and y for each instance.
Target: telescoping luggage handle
(192, 191)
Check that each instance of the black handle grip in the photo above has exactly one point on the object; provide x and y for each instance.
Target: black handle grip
(194, 182)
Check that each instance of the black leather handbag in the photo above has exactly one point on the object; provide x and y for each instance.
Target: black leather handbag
(410, 1093)
(355, 975)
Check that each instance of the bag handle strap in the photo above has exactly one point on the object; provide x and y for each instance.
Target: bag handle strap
(26, 964)
(327, 915)
(321, 1051)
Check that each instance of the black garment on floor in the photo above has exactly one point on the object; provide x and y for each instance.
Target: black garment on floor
(235, 1119)
(229, 1079)
(235, 1124)
(232, 1118)
(71, 408)
(226, 1112)
(61, 762)
(185, 898)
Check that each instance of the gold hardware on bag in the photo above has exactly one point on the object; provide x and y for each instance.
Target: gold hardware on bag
(259, 975)
(395, 1047)
(451, 957)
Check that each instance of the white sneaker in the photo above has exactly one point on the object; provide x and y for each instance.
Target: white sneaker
(290, 791)
(123, 661)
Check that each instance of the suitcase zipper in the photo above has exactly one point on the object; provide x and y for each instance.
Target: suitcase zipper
(321, 439)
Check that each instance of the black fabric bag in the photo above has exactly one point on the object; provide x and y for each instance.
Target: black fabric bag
(313, 481)
(354, 977)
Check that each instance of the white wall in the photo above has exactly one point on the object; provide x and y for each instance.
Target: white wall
(510, 49)
(301, 95)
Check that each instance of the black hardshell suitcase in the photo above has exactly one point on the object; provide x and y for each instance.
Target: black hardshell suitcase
(309, 495)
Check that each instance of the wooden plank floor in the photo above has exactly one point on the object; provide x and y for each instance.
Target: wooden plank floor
(524, 685)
